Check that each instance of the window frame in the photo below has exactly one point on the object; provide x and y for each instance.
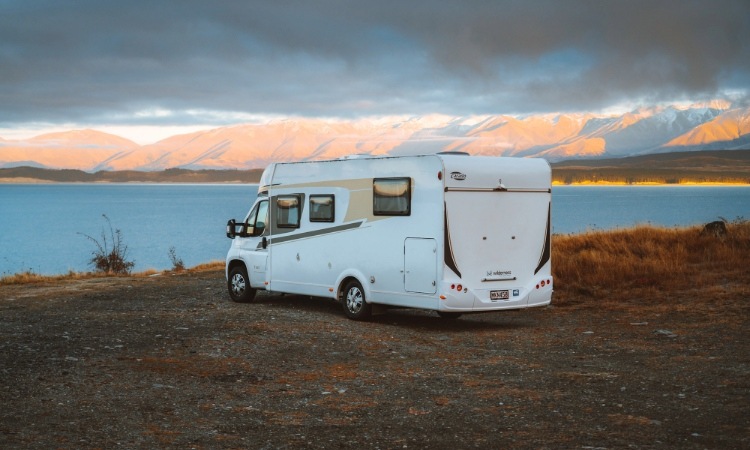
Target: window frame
(333, 208)
(407, 193)
(279, 198)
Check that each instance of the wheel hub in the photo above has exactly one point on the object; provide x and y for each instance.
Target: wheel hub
(238, 284)
(354, 300)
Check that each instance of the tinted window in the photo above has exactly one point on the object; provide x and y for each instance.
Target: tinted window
(391, 196)
(287, 211)
(322, 208)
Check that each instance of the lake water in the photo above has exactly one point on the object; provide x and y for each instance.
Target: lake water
(42, 226)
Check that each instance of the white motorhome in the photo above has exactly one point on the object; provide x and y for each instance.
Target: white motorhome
(447, 232)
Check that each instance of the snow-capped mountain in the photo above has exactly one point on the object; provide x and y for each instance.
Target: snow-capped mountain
(713, 125)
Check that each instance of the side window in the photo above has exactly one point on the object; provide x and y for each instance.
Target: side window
(322, 208)
(287, 211)
(256, 221)
(391, 196)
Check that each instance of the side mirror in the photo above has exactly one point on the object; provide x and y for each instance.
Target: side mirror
(231, 229)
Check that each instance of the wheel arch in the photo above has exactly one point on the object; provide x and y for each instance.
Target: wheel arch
(232, 264)
(345, 278)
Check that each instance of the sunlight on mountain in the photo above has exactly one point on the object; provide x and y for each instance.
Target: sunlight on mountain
(255, 145)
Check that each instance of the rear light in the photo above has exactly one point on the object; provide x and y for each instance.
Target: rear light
(458, 287)
(543, 283)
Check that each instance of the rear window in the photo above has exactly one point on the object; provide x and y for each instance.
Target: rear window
(391, 196)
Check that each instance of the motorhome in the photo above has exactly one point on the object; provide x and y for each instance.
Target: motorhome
(451, 233)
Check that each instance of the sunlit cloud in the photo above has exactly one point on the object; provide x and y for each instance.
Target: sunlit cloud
(189, 64)
(153, 113)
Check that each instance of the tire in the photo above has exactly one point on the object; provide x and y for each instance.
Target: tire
(238, 285)
(449, 315)
(354, 302)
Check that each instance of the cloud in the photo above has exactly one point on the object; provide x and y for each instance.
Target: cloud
(99, 61)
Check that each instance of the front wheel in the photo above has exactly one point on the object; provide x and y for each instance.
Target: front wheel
(355, 305)
(239, 285)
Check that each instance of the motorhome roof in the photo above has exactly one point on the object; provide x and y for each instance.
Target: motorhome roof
(461, 170)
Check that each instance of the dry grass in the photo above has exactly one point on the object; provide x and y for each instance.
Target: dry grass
(649, 261)
(31, 277)
(212, 265)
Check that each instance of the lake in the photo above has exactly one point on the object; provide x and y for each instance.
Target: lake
(42, 226)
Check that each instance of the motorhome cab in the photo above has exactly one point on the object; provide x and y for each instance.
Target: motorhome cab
(450, 233)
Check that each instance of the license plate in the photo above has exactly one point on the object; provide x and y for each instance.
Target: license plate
(500, 295)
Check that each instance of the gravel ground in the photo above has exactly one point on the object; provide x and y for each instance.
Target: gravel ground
(168, 362)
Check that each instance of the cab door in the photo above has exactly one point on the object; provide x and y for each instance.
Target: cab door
(254, 246)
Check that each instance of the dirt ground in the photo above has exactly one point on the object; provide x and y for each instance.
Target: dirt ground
(169, 362)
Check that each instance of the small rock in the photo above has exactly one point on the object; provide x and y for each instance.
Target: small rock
(717, 229)
(666, 333)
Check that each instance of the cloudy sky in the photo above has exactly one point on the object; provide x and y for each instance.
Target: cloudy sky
(167, 65)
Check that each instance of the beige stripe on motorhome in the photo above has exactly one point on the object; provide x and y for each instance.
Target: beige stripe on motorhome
(360, 196)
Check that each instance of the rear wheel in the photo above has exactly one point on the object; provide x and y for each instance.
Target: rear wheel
(355, 305)
(238, 285)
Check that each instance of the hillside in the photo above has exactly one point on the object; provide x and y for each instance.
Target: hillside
(252, 146)
(727, 166)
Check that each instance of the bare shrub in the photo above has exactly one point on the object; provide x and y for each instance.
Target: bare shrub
(177, 264)
(110, 260)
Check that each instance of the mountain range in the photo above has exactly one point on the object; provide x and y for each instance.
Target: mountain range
(711, 126)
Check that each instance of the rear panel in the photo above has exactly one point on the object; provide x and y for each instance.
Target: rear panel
(497, 231)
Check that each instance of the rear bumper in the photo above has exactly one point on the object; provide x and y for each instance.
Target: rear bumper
(538, 292)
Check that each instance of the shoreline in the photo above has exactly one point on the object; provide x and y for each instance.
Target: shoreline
(622, 183)
(554, 183)
(40, 181)
(29, 276)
